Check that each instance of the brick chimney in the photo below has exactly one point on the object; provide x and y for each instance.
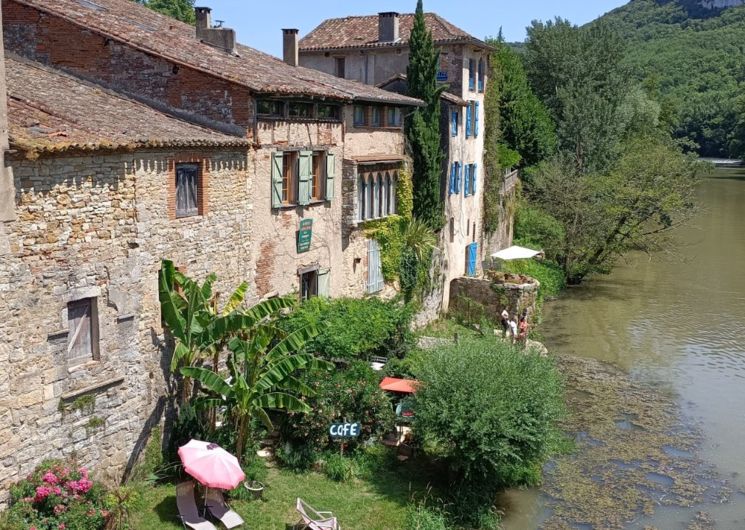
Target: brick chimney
(388, 26)
(290, 46)
(221, 38)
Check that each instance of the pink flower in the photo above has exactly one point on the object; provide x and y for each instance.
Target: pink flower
(83, 472)
(62, 526)
(50, 478)
(42, 492)
(60, 508)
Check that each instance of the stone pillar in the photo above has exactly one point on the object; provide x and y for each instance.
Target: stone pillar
(7, 188)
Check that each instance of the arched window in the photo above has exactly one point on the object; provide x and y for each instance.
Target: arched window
(373, 195)
(388, 210)
(381, 196)
(361, 188)
(394, 186)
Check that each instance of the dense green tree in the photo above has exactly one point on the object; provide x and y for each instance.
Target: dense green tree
(423, 129)
(182, 10)
(737, 143)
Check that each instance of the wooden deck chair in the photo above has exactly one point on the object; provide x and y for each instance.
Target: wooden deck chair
(220, 510)
(313, 519)
(187, 508)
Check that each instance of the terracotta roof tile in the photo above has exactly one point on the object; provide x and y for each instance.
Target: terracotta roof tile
(362, 32)
(50, 111)
(144, 29)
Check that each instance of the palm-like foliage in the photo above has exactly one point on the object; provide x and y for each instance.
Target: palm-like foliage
(189, 311)
(262, 368)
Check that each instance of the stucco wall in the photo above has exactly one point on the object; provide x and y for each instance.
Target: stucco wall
(98, 227)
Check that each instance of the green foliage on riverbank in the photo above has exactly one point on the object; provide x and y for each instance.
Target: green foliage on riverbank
(550, 275)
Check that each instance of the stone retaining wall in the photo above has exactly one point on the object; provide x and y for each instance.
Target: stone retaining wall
(474, 299)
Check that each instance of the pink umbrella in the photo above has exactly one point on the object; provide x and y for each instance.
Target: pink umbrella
(211, 465)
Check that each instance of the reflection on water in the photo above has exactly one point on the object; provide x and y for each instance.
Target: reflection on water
(676, 320)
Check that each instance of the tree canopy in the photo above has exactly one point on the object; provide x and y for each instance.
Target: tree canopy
(182, 10)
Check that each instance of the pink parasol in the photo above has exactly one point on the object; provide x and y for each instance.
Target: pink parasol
(211, 465)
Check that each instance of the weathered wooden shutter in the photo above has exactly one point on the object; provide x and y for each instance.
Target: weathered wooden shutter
(468, 120)
(79, 346)
(472, 252)
(305, 177)
(330, 174)
(454, 123)
(277, 163)
(375, 282)
(476, 119)
(474, 178)
(451, 188)
(324, 282)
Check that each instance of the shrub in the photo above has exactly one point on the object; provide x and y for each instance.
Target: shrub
(537, 229)
(57, 495)
(420, 517)
(489, 411)
(353, 394)
(355, 329)
(549, 274)
(338, 468)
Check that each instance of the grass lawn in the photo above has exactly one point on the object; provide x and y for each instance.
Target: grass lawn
(379, 502)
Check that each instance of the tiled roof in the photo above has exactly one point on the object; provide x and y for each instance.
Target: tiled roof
(402, 80)
(362, 32)
(50, 111)
(144, 29)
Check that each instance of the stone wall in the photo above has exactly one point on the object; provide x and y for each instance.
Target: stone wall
(97, 227)
(474, 298)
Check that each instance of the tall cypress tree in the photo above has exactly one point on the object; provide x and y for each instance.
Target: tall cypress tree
(423, 130)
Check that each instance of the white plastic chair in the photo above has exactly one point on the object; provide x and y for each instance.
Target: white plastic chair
(313, 519)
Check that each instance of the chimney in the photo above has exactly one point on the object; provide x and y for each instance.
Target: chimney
(290, 46)
(221, 38)
(388, 26)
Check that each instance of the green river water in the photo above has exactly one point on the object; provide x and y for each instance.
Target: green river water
(674, 323)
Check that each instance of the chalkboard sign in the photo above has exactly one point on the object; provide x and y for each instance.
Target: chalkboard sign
(304, 235)
(340, 431)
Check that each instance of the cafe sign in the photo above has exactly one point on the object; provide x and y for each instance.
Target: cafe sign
(304, 235)
(341, 431)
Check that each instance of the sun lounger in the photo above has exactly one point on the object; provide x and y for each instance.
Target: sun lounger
(220, 510)
(313, 519)
(187, 508)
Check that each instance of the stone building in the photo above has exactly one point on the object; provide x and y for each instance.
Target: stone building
(375, 50)
(136, 138)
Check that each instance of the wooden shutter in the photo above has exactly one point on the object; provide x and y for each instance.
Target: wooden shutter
(476, 119)
(451, 188)
(454, 123)
(471, 253)
(82, 322)
(277, 164)
(474, 178)
(330, 174)
(375, 282)
(323, 283)
(468, 120)
(458, 177)
(305, 177)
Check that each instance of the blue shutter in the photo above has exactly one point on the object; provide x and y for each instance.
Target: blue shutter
(467, 181)
(471, 75)
(468, 121)
(471, 254)
(454, 123)
(458, 177)
(476, 119)
(474, 178)
(451, 188)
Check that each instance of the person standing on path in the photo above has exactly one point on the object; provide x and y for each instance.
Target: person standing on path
(505, 323)
(513, 329)
(522, 338)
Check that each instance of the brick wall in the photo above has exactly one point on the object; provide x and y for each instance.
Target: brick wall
(57, 42)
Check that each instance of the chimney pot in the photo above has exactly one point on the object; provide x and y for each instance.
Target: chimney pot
(222, 38)
(388, 27)
(290, 46)
(204, 17)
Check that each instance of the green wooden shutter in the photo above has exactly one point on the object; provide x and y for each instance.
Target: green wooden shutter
(330, 173)
(277, 162)
(305, 177)
(323, 283)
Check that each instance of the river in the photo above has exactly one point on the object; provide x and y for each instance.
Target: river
(675, 322)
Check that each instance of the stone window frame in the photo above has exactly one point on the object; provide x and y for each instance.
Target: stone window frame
(62, 337)
(203, 162)
(376, 193)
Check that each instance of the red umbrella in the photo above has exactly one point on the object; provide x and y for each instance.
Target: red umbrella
(211, 465)
(402, 386)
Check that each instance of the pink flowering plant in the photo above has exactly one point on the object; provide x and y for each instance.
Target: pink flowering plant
(57, 496)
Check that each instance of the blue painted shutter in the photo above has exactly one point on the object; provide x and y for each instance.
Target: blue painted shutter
(476, 119)
(454, 123)
(305, 177)
(467, 181)
(277, 163)
(451, 187)
(375, 282)
(471, 75)
(459, 177)
(474, 178)
(468, 121)
(330, 174)
(471, 254)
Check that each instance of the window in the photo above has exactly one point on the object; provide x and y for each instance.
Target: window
(393, 118)
(361, 200)
(469, 120)
(387, 209)
(328, 112)
(82, 323)
(455, 178)
(308, 284)
(375, 117)
(382, 197)
(454, 119)
(187, 190)
(340, 66)
(301, 109)
(394, 185)
(360, 116)
(481, 75)
(467, 180)
(319, 163)
(471, 74)
(375, 281)
(269, 108)
(376, 195)
(289, 177)
(475, 119)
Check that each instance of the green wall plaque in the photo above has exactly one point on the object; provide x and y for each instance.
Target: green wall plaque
(304, 235)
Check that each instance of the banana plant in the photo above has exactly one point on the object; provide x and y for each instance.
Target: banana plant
(262, 371)
(189, 312)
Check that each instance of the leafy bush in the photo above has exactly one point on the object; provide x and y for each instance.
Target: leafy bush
(55, 496)
(549, 274)
(354, 329)
(489, 411)
(353, 394)
(338, 468)
(537, 229)
(420, 517)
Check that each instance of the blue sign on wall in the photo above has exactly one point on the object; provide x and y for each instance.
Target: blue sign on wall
(442, 77)
(344, 430)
